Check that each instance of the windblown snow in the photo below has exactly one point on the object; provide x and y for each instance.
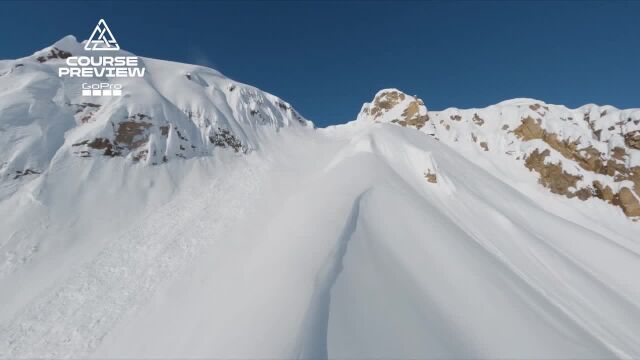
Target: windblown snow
(197, 217)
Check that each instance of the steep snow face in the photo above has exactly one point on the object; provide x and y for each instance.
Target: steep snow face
(174, 111)
(340, 249)
(590, 152)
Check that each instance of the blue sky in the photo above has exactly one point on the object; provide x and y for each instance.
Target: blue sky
(327, 58)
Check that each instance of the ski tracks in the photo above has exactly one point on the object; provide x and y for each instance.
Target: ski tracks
(73, 318)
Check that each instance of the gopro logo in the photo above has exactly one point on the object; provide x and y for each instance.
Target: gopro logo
(101, 89)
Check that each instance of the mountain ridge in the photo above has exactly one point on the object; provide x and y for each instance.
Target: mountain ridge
(592, 151)
(152, 124)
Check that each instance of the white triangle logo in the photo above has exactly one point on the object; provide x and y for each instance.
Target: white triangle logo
(102, 38)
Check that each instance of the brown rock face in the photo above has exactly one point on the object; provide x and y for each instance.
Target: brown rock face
(431, 177)
(529, 129)
(632, 139)
(129, 135)
(552, 176)
(604, 192)
(385, 101)
(478, 120)
(629, 202)
(132, 133)
(590, 159)
(411, 115)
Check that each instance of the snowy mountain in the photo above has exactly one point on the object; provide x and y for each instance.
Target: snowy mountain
(590, 152)
(195, 216)
(175, 111)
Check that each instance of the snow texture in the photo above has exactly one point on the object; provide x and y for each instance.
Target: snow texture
(303, 242)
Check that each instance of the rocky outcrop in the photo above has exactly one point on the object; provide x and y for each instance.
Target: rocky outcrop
(224, 138)
(629, 202)
(589, 159)
(578, 153)
(385, 101)
(132, 133)
(431, 177)
(84, 112)
(394, 106)
(632, 139)
(552, 175)
(54, 53)
(411, 115)
(26, 172)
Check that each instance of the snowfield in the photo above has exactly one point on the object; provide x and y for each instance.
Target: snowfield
(366, 240)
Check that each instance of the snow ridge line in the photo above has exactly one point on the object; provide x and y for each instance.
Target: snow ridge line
(72, 320)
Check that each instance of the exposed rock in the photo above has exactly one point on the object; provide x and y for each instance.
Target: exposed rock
(85, 111)
(579, 151)
(604, 192)
(431, 177)
(55, 53)
(106, 145)
(536, 107)
(629, 202)
(552, 176)
(132, 134)
(180, 136)
(386, 101)
(142, 155)
(632, 139)
(282, 105)
(478, 120)
(407, 110)
(21, 173)
(618, 153)
(588, 158)
(529, 129)
(224, 138)
(412, 116)
(632, 174)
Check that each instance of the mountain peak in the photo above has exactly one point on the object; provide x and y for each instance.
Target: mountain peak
(172, 110)
(69, 41)
(393, 105)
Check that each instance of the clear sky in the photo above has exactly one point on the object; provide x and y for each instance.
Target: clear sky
(327, 58)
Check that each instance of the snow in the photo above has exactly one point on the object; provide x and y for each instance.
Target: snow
(317, 243)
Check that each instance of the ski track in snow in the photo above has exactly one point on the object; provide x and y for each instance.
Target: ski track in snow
(71, 319)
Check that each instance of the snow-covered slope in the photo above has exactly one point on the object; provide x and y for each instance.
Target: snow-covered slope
(590, 152)
(436, 239)
(174, 111)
